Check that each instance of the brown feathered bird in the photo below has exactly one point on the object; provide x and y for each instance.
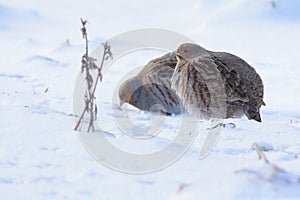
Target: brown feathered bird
(216, 84)
(150, 89)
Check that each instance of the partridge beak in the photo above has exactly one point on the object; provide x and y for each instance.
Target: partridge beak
(175, 53)
(121, 103)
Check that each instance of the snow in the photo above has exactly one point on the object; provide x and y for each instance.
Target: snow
(41, 157)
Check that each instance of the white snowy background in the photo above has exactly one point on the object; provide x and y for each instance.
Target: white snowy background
(41, 157)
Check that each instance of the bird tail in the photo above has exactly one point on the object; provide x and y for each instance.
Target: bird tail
(253, 115)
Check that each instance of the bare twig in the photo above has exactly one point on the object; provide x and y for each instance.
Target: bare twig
(260, 154)
(106, 53)
(79, 120)
(181, 187)
(84, 35)
(88, 64)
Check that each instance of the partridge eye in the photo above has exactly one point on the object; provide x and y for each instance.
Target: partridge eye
(185, 51)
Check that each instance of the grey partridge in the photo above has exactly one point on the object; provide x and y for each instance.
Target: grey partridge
(150, 89)
(216, 84)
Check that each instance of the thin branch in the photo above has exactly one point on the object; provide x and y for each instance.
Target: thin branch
(79, 120)
(88, 63)
(260, 154)
(106, 52)
(84, 35)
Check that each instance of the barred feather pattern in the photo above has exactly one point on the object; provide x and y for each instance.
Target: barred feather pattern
(158, 85)
(216, 84)
(245, 84)
(151, 89)
(207, 84)
(200, 86)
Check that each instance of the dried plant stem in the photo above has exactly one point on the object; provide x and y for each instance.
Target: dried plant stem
(260, 154)
(89, 101)
(99, 75)
(87, 65)
(79, 120)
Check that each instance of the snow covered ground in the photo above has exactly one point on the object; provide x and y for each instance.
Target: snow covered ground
(41, 157)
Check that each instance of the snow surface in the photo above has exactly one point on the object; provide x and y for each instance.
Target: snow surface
(41, 157)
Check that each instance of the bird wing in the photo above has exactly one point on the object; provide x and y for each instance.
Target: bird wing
(224, 83)
(236, 90)
(156, 80)
(252, 83)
